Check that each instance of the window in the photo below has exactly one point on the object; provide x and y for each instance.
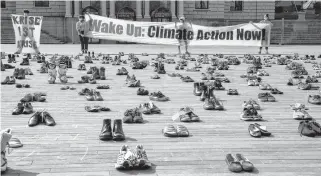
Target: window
(3, 4)
(41, 3)
(236, 6)
(201, 4)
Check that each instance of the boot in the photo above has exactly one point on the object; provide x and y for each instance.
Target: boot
(27, 108)
(2, 66)
(13, 58)
(18, 110)
(62, 73)
(197, 91)
(96, 73)
(25, 61)
(9, 58)
(118, 134)
(106, 132)
(21, 74)
(52, 74)
(102, 73)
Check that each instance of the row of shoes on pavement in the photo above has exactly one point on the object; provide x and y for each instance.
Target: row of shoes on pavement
(91, 94)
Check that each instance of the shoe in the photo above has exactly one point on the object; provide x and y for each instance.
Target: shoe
(263, 130)
(263, 97)
(250, 114)
(47, 119)
(97, 96)
(233, 163)
(62, 71)
(28, 71)
(155, 77)
(106, 132)
(95, 73)
(35, 119)
(158, 96)
(198, 87)
(208, 104)
(305, 129)
(52, 73)
(128, 116)
(183, 115)
(142, 158)
(90, 96)
(153, 108)
(84, 91)
(18, 110)
(254, 131)
(301, 114)
(90, 71)
(276, 91)
(316, 127)
(314, 99)
(246, 164)
(27, 98)
(26, 85)
(64, 88)
(304, 86)
(170, 131)
(84, 79)
(122, 161)
(137, 116)
(182, 131)
(103, 87)
(144, 108)
(39, 97)
(21, 74)
(118, 134)
(8, 66)
(92, 109)
(142, 91)
(6, 80)
(102, 73)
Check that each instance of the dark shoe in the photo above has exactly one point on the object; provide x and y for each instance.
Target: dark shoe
(246, 164)
(18, 110)
(103, 87)
(22, 74)
(39, 97)
(97, 96)
(102, 73)
(233, 163)
(118, 134)
(128, 116)
(106, 132)
(305, 128)
(142, 91)
(316, 127)
(48, 119)
(35, 119)
(84, 91)
(27, 108)
(262, 129)
(27, 98)
(254, 131)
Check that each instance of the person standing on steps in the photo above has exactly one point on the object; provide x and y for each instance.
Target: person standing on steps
(265, 42)
(82, 28)
(188, 27)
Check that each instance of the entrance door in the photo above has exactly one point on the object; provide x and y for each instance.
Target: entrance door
(126, 13)
(91, 10)
(161, 14)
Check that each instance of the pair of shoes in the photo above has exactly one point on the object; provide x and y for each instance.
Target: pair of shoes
(253, 82)
(266, 97)
(62, 71)
(142, 91)
(122, 71)
(299, 112)
(312, 79)
(133, 116)
(139, 64)
(11, 58)
(23, 108)
(160, 68)
(250, 114)
(19, 73)
(81, 67)
(132, 159)
(232, 92)
(149, 108)
(256, 130)
(158, 96)
(41, 117)
(107, 133)
(103, 87)
(179, 131)
(222, 79)
(93, 95)
(22, 85)
(67, 87)
(314, 99)
(185, 114)
(238, 163)
(304, 86)
(276, 91)
(212, 103)
(9, 80)
(38, 96)
(251, 103)
(96, 108)
(309, 128)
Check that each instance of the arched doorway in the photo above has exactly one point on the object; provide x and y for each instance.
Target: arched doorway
(126, 13)
(161, 14)
(95, 11)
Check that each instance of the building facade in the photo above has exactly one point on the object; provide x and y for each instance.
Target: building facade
(60, 16)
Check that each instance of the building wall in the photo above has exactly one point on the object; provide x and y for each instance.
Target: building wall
(55, 9)
(10, 9)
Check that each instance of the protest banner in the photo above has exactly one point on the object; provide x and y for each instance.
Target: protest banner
(169, 33)
(27, 32)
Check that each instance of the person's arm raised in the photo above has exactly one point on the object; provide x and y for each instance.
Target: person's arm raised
(251, 22)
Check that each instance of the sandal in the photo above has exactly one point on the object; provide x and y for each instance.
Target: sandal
(170, 131)
(182, 131)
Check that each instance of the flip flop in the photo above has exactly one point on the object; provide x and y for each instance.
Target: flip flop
(182, 131)
(15, 143)
(170, 131)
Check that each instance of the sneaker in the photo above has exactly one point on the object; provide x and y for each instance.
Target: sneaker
(182, 131)
(142, 91)
(233, 163)
(276, 91)
(305, 129)
(122, 161)
(158, 96)
(97, 96)
(153, 108)
(90, 96)
(250, 114)
(144, 108)
(301, 114)
(128, 116)
(246, 164)
(143, 162)
(18, 110)
(304, 86)
(316, 127)
(170, 131)
(263, 130)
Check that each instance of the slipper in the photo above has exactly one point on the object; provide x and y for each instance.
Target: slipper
(15, 143)
(91, 109)
(170, 131)
(182, 131)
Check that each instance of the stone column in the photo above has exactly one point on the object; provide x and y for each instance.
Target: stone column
(180, 9)
(103, 5)
(112, 9)
(139, 10)
(76, 6)
(146, 13)
(68, 8)
(173, 9)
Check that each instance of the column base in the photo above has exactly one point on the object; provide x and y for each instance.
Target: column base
(146, 19)
(112, 16)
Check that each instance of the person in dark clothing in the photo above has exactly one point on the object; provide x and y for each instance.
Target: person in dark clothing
(83, 27)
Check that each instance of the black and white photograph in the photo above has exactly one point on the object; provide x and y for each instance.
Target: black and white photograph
(160, 88)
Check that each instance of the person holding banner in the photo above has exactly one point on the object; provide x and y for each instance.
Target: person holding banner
(82, 28)
(267, 31)
(28, 34)
(183, 26)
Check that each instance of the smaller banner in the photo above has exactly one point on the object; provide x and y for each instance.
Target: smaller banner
(170, 33)
(27, 31)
